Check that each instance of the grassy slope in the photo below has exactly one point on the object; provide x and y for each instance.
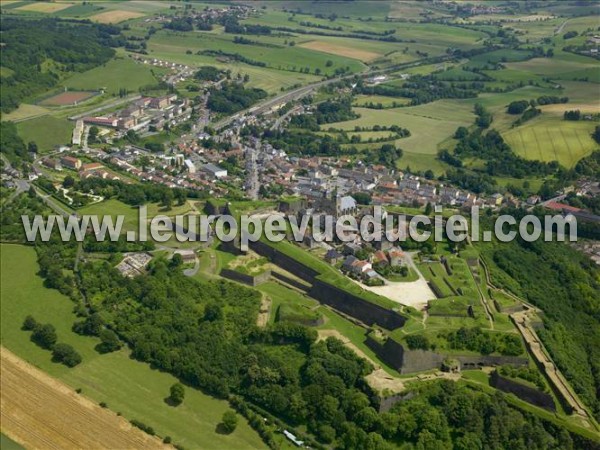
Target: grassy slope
(46, 132)
(127, 386)
(114, 75)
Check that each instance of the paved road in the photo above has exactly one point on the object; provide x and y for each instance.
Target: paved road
(300, 92)
(106, 106)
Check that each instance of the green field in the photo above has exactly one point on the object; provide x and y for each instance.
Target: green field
(46, 131)
(112, 76)
(550, 138)
(430, 125)
(280, 56)
(114, 208)
(7, 443)
(127, 386)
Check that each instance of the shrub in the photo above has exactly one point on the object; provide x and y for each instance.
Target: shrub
(229, 421)
(66, 355)
(44, 336)
(29, 324)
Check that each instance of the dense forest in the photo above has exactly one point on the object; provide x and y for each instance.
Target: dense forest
(565, 285)
(39, 51)
(11, 144)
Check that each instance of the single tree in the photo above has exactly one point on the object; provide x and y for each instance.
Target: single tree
(177, 394)
(110, 341)
(229, 421)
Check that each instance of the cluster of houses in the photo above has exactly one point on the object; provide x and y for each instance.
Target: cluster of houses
(365, 269)
(86, 170)
(145, 113)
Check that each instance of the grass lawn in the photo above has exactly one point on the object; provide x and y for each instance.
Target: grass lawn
(116, 74)
(126, 385)
(7, 443)
(46, 132)
(114, 208)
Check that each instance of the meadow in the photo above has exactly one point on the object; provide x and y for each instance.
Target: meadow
(276, 56)
(127, 386)
(548, 137)
(112, 76)
(430, 126)
(46, 131)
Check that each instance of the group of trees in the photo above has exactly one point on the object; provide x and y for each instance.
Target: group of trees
(208, 73)
(131, 194)
(499, 158)
(329, 111)
(11, 144)
(477, 340)
(233, 97)
(490, 147)
(45, 336)
(424, 89)
(27, 44)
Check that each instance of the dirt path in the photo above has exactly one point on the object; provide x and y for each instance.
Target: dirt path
(265, 310)
(40, 412)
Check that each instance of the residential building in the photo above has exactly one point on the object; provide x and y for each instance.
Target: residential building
(70, 162)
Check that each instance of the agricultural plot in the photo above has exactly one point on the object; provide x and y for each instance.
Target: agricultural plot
(115, 16)
(127, 386)
(44, 7)
(549, 138)
(31, 399)
(112, 76)
(386, 102)
(340, 50)
(46, 131)
(430, 125)
(276, 55)
(564, 66)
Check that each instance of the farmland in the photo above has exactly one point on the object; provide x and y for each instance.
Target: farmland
(114, 378)
(115, 16)
(404, 104)
(549, 138)
(31, 399)
(114, 75)
(430, 125)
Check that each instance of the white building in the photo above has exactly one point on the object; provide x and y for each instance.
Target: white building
(215, 171)
(190, 166)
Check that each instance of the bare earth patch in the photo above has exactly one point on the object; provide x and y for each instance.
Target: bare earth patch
(67, 98)
(116, 16)
(334, 49)
(40, 412)
(265, 310)
(592, 107)
(45, 7)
